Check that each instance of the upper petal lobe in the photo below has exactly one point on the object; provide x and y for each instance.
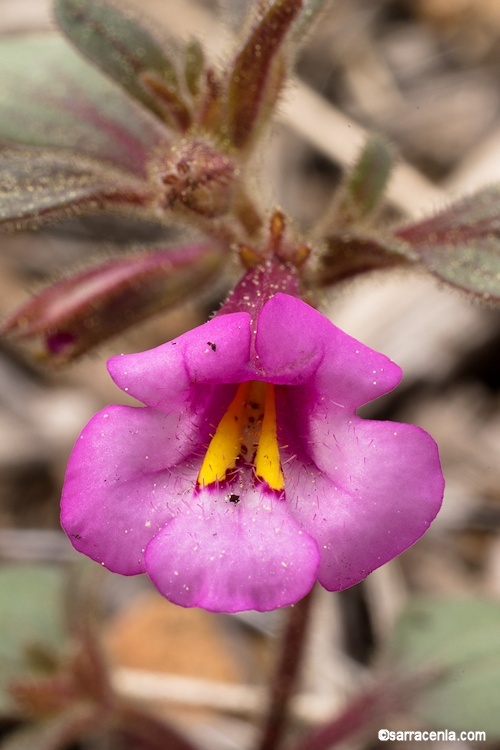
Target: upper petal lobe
(297, 345)
(214, 353)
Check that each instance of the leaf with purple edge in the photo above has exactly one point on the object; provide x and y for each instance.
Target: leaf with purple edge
(118, 44)
(41, 185)
(81, 311)
(461, 244)
(257, 73)
(168, 103)
(351, 254)
(50, 97)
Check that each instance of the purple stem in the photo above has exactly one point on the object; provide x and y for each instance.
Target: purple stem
(286, 675)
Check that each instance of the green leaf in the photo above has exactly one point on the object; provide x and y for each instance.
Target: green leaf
(461, 245)
(114, 41)
(37, 185)
(257, 73)
(31, 613)
(364, 187)
(50, 97)
(350, 254)
(462, 638)
(194, 64)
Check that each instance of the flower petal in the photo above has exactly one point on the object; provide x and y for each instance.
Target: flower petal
(228, 557)
(290, 340)
(380, 492)
(122, 483)
(296, 342)
(216, 352)
(357, 492)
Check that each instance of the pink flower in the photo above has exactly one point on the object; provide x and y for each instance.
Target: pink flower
(248, 475)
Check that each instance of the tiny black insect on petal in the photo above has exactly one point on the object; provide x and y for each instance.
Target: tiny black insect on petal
(212, 346)
(234, 499)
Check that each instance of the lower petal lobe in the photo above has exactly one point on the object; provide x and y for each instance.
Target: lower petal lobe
(228, 557)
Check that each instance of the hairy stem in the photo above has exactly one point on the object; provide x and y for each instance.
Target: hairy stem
(286, 675)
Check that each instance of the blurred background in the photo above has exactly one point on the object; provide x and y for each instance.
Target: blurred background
(425, 73)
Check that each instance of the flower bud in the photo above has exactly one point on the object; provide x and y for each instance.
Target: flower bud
(197, 177)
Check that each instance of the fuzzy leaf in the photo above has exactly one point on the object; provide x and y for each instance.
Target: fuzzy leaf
(31, 612)
(257, 72)
(39, 185)
(79, 312)
(461, 637)
(116, 43)
(461, 245)
(168, 102)
(194, 64)
(51, 97)
(364, 187)
(350, 254)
